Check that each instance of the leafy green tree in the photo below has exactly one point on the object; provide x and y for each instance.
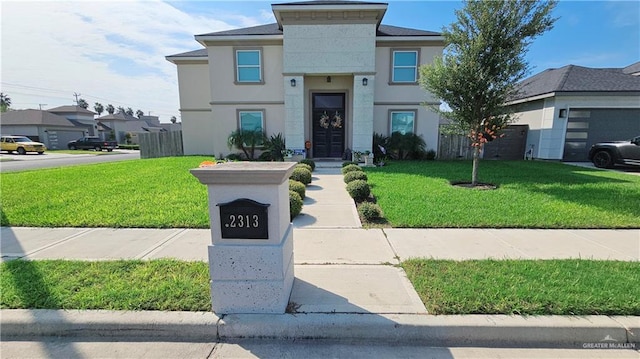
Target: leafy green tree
(129, 111)
(121, 109)
(110, 109)
(83, 103)
(98, 108)
(173, 119)
(139, 113)
(5, 102)
(483, 63)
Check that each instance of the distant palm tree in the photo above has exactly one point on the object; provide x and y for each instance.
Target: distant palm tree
(110, 109)
(139, 113)
(5, 102)
(99, 108)
(129, 111)
(83, 103)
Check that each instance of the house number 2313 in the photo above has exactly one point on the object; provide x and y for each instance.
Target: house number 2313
(243, 221)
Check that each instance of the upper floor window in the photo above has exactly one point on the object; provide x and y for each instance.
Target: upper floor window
(248, 66)
(405, 66)
(403, 121)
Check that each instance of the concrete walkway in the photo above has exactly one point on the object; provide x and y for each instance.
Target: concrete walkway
(347, 284)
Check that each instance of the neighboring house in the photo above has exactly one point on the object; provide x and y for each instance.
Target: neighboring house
(327, 72)
(571, 108)
(79, 116)
(42, 126)
(115, 127)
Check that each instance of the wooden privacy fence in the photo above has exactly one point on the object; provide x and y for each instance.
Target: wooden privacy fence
(160, 144)
(509, 147)
(454, 147)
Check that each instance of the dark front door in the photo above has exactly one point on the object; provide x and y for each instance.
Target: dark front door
(328, 116)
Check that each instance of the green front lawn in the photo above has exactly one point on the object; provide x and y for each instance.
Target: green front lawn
(154, 193)
(161, 193)
(531, 194)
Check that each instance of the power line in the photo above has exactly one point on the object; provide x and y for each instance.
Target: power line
(87, 97)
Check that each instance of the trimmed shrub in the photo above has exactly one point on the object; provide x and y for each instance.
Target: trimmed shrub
(310, 162)
(369, 211)
(129, 147)
(358, 190)
(345, 164)
(295, 204)
(304, 165)
(297, 187)
(354, 175)
(301, 175)
(350, 168)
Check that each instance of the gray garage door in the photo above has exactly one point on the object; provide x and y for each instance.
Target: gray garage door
(591, 125)
(57, 140)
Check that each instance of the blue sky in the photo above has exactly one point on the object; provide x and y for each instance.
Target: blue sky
(113, 52)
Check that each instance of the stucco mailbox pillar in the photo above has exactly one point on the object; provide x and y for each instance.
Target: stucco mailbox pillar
(251, 251)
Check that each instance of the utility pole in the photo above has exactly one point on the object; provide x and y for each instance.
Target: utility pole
(76, 95)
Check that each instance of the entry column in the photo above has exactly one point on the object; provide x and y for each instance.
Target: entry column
(251, 251)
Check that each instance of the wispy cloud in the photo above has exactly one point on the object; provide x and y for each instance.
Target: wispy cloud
(104, 50)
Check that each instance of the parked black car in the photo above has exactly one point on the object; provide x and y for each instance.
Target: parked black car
(92, 143)
(609, 154)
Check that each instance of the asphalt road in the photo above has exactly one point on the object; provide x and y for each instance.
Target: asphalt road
(14, 162)
(77, 348)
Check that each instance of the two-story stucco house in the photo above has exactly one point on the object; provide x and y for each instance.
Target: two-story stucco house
(328, 74)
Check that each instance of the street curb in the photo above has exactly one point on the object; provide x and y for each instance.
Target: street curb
(441, 331)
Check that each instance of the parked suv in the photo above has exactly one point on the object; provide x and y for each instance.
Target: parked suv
(21, 144)
(608, 154)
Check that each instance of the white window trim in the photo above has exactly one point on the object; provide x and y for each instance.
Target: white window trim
(392, 80)
(236, 66)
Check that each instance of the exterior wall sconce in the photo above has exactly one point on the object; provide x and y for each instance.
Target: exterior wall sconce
(563, 113)
(365, 81)
(293, 82)
(328, 78)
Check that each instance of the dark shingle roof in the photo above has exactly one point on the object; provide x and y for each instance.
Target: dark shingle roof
(194, 53)
(269, 29)
(117, 116)
(332, 2)
(34, 117)
(572, 78)
(272, 29)
(71, 109)
(388, 30)
(632, 69)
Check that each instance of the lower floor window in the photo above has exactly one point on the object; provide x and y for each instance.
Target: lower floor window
(251, 121)
(403, 121)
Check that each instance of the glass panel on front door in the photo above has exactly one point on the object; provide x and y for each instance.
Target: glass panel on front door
(328, 116)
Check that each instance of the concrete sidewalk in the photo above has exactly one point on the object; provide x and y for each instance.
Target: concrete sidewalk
(346, 282)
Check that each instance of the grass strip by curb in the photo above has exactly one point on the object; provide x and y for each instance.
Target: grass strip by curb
(535, 287)
(111, 285)
(541, 287)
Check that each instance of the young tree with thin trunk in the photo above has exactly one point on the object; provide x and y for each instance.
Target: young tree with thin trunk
(110, 109)
(483, 63)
